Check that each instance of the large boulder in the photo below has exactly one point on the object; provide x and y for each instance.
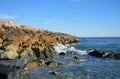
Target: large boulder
(12, 54)
(8, 55)
(10, 70)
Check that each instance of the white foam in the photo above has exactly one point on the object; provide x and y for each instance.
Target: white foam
(64, 48)
(60, 48)
(83, 52)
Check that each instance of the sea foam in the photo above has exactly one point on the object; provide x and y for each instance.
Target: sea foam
(65, 48)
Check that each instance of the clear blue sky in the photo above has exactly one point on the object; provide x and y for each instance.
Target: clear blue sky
(82, 18)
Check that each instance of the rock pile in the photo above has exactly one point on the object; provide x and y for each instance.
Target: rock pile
(30, 46)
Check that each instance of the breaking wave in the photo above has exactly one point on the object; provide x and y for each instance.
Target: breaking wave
(68, 48)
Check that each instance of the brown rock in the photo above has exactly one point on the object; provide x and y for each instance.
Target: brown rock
(12, 55)
(41, 62)
(13, 47)
(52, 64)
(1, 40)
(47, 39)
(32, 65)
(7, 23)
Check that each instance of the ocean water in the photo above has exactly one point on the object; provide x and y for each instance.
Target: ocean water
(85, 67)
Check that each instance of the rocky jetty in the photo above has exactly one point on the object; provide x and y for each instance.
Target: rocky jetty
(28, 47)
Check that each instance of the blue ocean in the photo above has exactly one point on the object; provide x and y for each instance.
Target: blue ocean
(85, 67)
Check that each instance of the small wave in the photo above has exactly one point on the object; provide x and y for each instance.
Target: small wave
(60, 48)
(83, 52)
(64, 48)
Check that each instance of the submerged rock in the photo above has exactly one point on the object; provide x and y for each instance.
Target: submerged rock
(75, 57)
(115, 56)
(56, 73)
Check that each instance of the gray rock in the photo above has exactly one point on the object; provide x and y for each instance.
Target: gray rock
(103, 54)
(10, 70)
(25, 58)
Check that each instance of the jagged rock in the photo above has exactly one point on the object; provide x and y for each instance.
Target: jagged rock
(48, 52)
(27, 57)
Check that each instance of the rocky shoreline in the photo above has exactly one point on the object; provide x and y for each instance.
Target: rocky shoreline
(23, 47)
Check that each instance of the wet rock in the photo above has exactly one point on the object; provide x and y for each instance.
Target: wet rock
(26, 58)
(6, 72)
(10, 70)
(47, 54)
(75, 57)
(99, 53)
(115, 56)
(103, 54)
(32, 65)
(56, 73)
(52, 64)
(62, 53)
(96, 53)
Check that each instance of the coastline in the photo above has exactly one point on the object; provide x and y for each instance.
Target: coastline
(23, 47)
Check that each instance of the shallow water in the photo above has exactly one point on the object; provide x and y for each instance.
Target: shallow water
(85, 67)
